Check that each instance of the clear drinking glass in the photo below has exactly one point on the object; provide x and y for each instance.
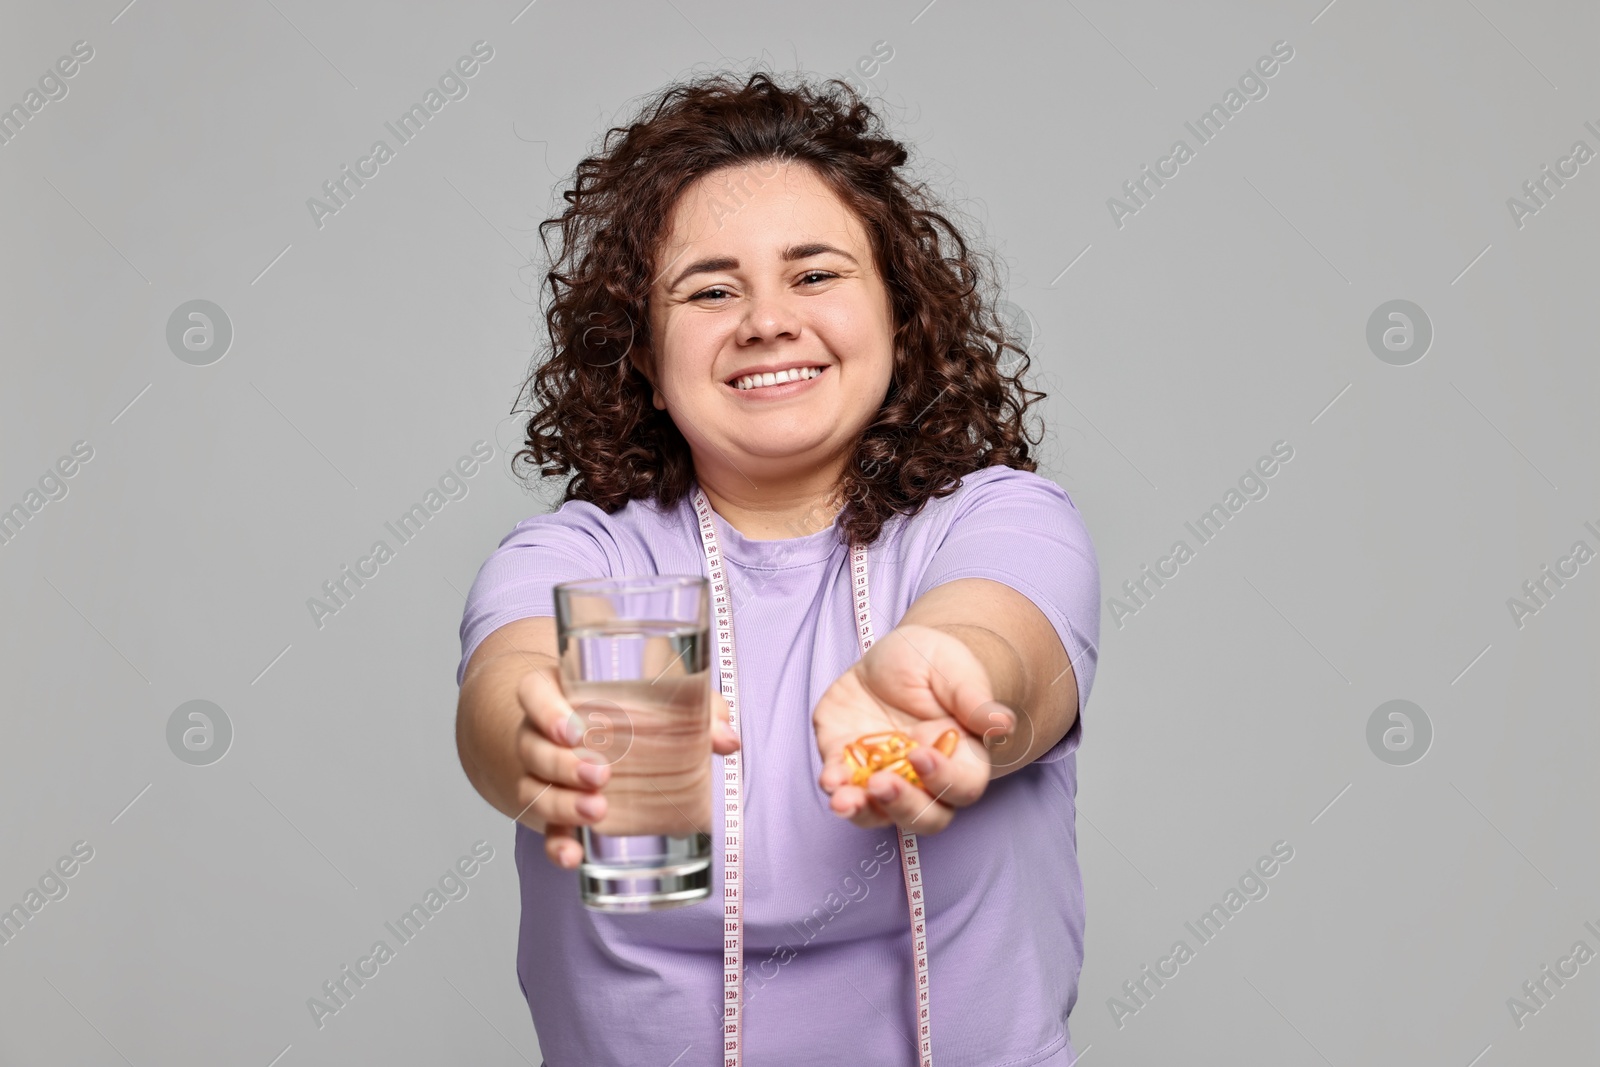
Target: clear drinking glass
(635, 666)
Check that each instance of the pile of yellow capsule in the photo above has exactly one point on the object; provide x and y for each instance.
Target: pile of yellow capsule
(887, 752)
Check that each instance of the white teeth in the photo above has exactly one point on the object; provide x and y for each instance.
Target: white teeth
(753, 381)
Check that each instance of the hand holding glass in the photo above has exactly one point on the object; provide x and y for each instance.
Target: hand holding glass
(635, 668)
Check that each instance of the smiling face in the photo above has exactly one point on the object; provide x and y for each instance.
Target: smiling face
(785, 287)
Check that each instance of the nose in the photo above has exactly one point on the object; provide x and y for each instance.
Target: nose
(769, 316)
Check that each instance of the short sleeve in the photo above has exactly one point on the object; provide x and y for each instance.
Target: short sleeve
(517, 579)
(1022, 530)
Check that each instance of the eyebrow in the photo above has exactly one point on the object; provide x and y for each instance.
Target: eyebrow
(713, 264)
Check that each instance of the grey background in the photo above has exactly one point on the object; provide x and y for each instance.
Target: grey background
(1228, 314)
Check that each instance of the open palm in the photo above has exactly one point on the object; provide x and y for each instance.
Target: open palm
(922, 682)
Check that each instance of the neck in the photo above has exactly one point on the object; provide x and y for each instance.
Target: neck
(793, 508)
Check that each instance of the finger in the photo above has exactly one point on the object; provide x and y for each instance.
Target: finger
(907, 806)
(837, 777)
(852, 802)
(723, 740)
(575, 768)
(1009, 738)
(997, 724)
(834, 777)
(544, 804)
(988, 719)
(957, 780)
(561, 847)
(546, 707)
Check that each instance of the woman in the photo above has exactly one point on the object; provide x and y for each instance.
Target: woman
(766, 343)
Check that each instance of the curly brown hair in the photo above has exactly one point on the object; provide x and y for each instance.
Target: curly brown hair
(953, 405)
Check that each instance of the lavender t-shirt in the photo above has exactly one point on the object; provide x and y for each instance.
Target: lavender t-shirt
(828, 971)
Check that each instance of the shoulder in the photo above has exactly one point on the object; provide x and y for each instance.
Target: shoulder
(999, 482)
(580, 539)
(996, 495)
(998, 515)
(637, 520)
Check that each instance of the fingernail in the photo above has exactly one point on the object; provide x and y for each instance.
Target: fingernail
(592, 771)
(921, 759)
(574, 728)
(590, 807)
(884, 790)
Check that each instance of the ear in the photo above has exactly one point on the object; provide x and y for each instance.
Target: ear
(641, 361)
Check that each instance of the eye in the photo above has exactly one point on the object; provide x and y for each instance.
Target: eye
(705, 295)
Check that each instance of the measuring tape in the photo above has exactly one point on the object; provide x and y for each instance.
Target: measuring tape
(733, 820)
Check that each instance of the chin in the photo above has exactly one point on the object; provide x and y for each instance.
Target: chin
(784, 446)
